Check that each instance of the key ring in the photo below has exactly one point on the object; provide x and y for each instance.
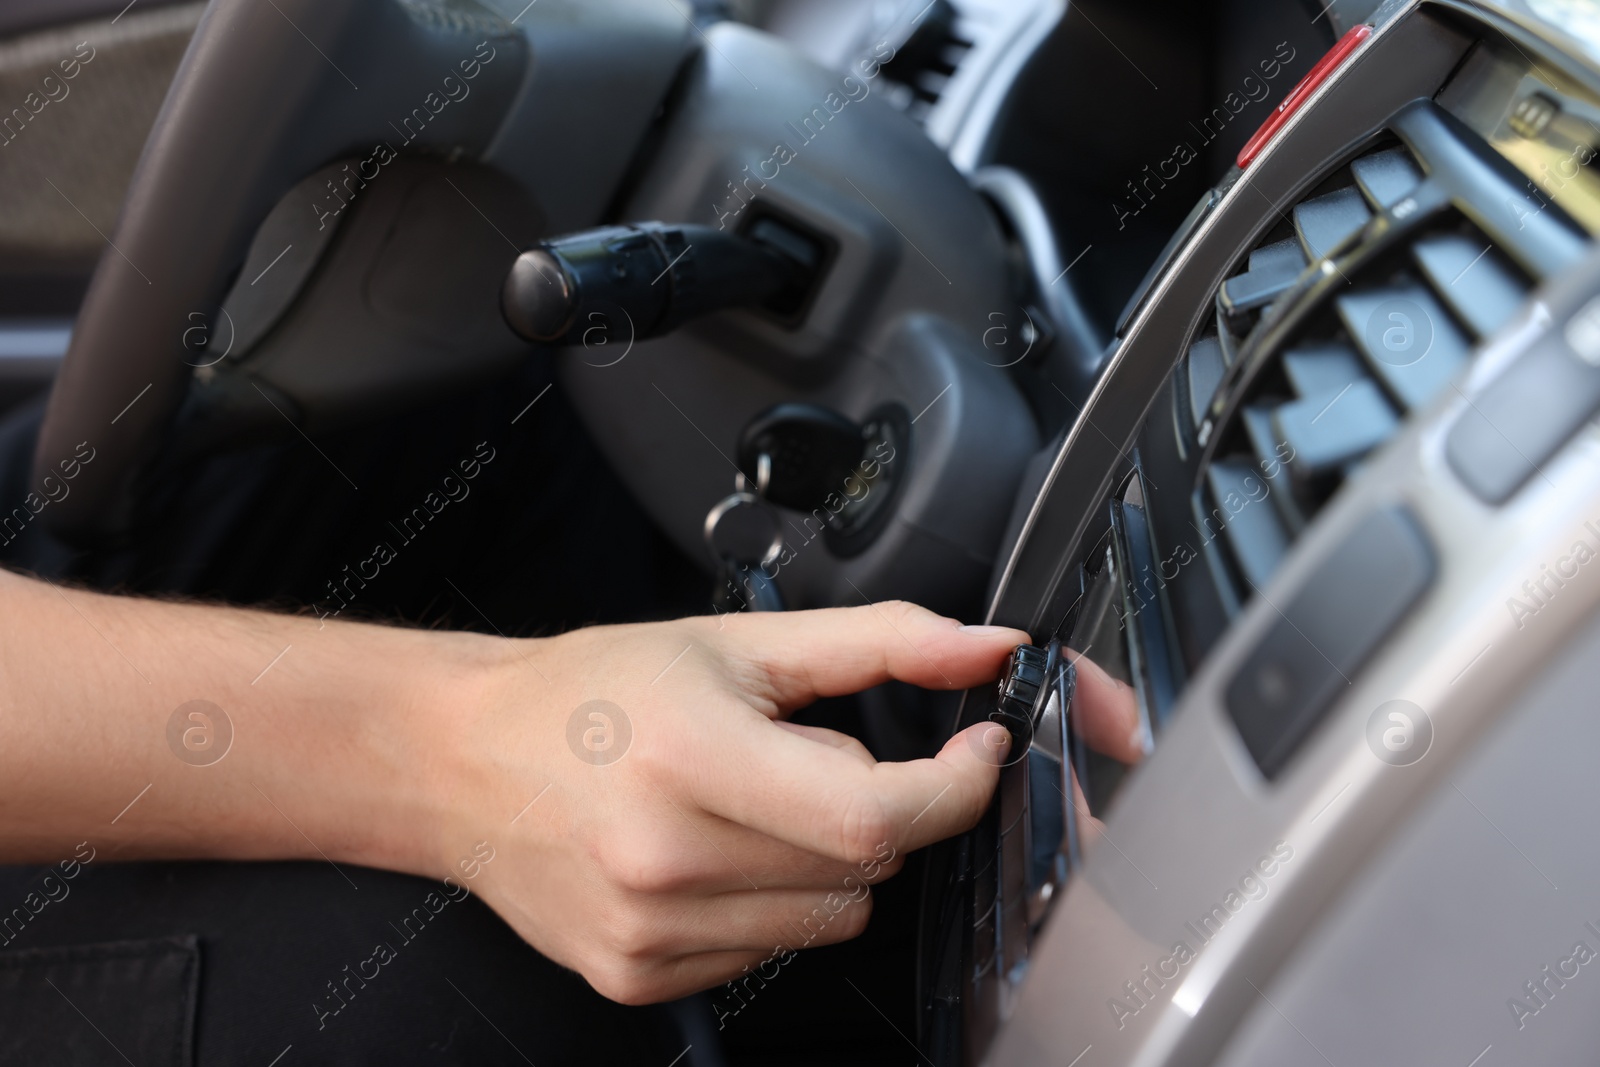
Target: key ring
(728, 503)
(763, 477)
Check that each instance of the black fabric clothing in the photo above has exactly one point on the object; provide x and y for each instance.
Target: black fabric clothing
(221, 963)
(237, 963)
(144, 991)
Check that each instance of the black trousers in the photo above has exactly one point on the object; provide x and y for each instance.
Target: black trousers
(296, 963)
(224, 963)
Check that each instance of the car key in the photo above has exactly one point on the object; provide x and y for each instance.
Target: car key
(812, 451)
(743, 535)
(744, 587)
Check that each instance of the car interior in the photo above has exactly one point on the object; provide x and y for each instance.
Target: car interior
(1247, 349)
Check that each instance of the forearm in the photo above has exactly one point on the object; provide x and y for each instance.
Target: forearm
(335, 730)
(656, 827)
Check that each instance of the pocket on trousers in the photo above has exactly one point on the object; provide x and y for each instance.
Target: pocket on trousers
(113, 1003)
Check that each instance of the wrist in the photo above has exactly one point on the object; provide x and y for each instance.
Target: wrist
(464, 707)
(399, 792)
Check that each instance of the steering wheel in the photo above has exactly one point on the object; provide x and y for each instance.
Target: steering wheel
(335, 191)
(268, 92)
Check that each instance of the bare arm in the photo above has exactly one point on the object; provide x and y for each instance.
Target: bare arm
(649, 818)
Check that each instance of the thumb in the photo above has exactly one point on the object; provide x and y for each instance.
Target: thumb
(804, 655)
(969, 768)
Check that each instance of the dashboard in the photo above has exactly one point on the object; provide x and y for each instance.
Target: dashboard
(1327, 434)
(1277, 410)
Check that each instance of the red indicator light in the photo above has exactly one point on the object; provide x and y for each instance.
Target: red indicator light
(1299, 94)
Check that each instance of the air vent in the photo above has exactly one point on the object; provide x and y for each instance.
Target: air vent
(1362, 305)
(929, 44)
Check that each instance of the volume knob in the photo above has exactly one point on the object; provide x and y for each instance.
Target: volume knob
(1020, 684)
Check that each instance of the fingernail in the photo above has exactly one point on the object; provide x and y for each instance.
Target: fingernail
(985, 631)
(997, 738)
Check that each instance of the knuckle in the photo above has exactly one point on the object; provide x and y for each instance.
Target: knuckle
(865, 826)
(853, 920)
(634, 936)
(622, 981)
(903, 611)
(832, 920)
(889, 868)
(652, 758)
(645, 865)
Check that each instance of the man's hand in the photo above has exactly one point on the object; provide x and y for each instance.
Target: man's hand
(658, 827)
(628, 798)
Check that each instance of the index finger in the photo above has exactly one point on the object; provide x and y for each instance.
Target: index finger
(824, 800)
(800, 656)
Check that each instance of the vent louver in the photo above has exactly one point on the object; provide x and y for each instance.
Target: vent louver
(1361, 306)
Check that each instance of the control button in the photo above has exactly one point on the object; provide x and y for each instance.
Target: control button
(1326, 632)
(1530, 411)
(1300, 93)
(1019, 687)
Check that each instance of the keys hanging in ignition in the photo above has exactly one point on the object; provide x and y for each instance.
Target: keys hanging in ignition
(743, 534)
